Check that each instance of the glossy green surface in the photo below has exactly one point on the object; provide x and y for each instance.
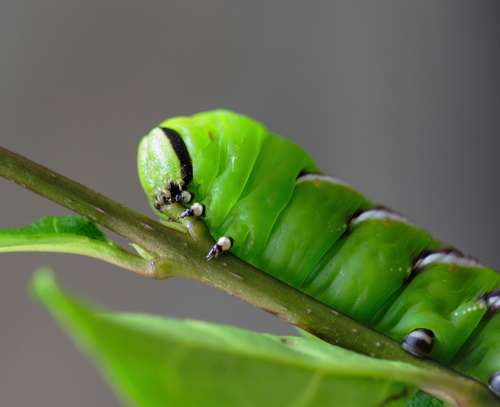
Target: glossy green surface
(153, 361)
(365, 268)
(480, 357)
(66, 234)
(298, 232)
(158, 164)
(444, 299)
(224, 149)
(305, 229)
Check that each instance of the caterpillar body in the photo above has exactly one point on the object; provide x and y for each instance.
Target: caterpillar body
(264, 199)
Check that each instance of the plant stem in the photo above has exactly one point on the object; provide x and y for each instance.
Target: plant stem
(177, 254)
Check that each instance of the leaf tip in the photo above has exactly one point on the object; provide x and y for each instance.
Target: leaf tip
(43, 285)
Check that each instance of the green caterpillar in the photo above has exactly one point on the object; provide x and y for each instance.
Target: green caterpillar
(265, 199)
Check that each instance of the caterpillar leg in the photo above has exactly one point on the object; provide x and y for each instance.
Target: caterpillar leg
(172, 194)
(196, 210)
(419, 342)
(223, 244)
(186, 197)
(161, 200)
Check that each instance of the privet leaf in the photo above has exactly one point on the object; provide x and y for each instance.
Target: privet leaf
(66, 234)
(422, 399)
(152, 361)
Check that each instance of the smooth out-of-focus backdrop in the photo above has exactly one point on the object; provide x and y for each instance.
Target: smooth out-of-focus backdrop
(400, 98)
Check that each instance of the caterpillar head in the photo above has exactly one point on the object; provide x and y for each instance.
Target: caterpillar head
(164, 166)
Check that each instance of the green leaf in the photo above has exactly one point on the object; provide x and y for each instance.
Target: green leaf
(142, 252)
(153, 361)
(67, 234)
(422, 399)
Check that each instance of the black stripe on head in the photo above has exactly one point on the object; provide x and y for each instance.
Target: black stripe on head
(182, 154)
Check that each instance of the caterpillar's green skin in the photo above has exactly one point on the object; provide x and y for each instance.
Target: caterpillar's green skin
(300, 231)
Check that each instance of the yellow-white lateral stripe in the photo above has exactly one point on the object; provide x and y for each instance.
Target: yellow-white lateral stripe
(453, 258)
(378, 214)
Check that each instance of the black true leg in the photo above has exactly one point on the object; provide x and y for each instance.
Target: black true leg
(195, 210)
(161, 200)
(173, 193)
(223, 244)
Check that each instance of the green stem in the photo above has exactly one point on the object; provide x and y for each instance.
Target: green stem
(177, 254)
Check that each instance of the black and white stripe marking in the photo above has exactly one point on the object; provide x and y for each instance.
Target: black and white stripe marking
(419, 342)
(494, 383)
(378, 214)
(492, 301)
(174, 191)
(196, 210)
(223, 244)
(182, 153)
(446, 256)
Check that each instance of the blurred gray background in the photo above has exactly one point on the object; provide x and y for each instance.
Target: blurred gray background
(400, 98)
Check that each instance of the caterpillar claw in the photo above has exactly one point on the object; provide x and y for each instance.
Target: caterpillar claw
(214, 252)
(223, 244)
(195, 210)
(161, 200)
(187, 213)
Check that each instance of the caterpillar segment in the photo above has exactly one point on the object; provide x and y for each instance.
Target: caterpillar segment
(264, 199)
